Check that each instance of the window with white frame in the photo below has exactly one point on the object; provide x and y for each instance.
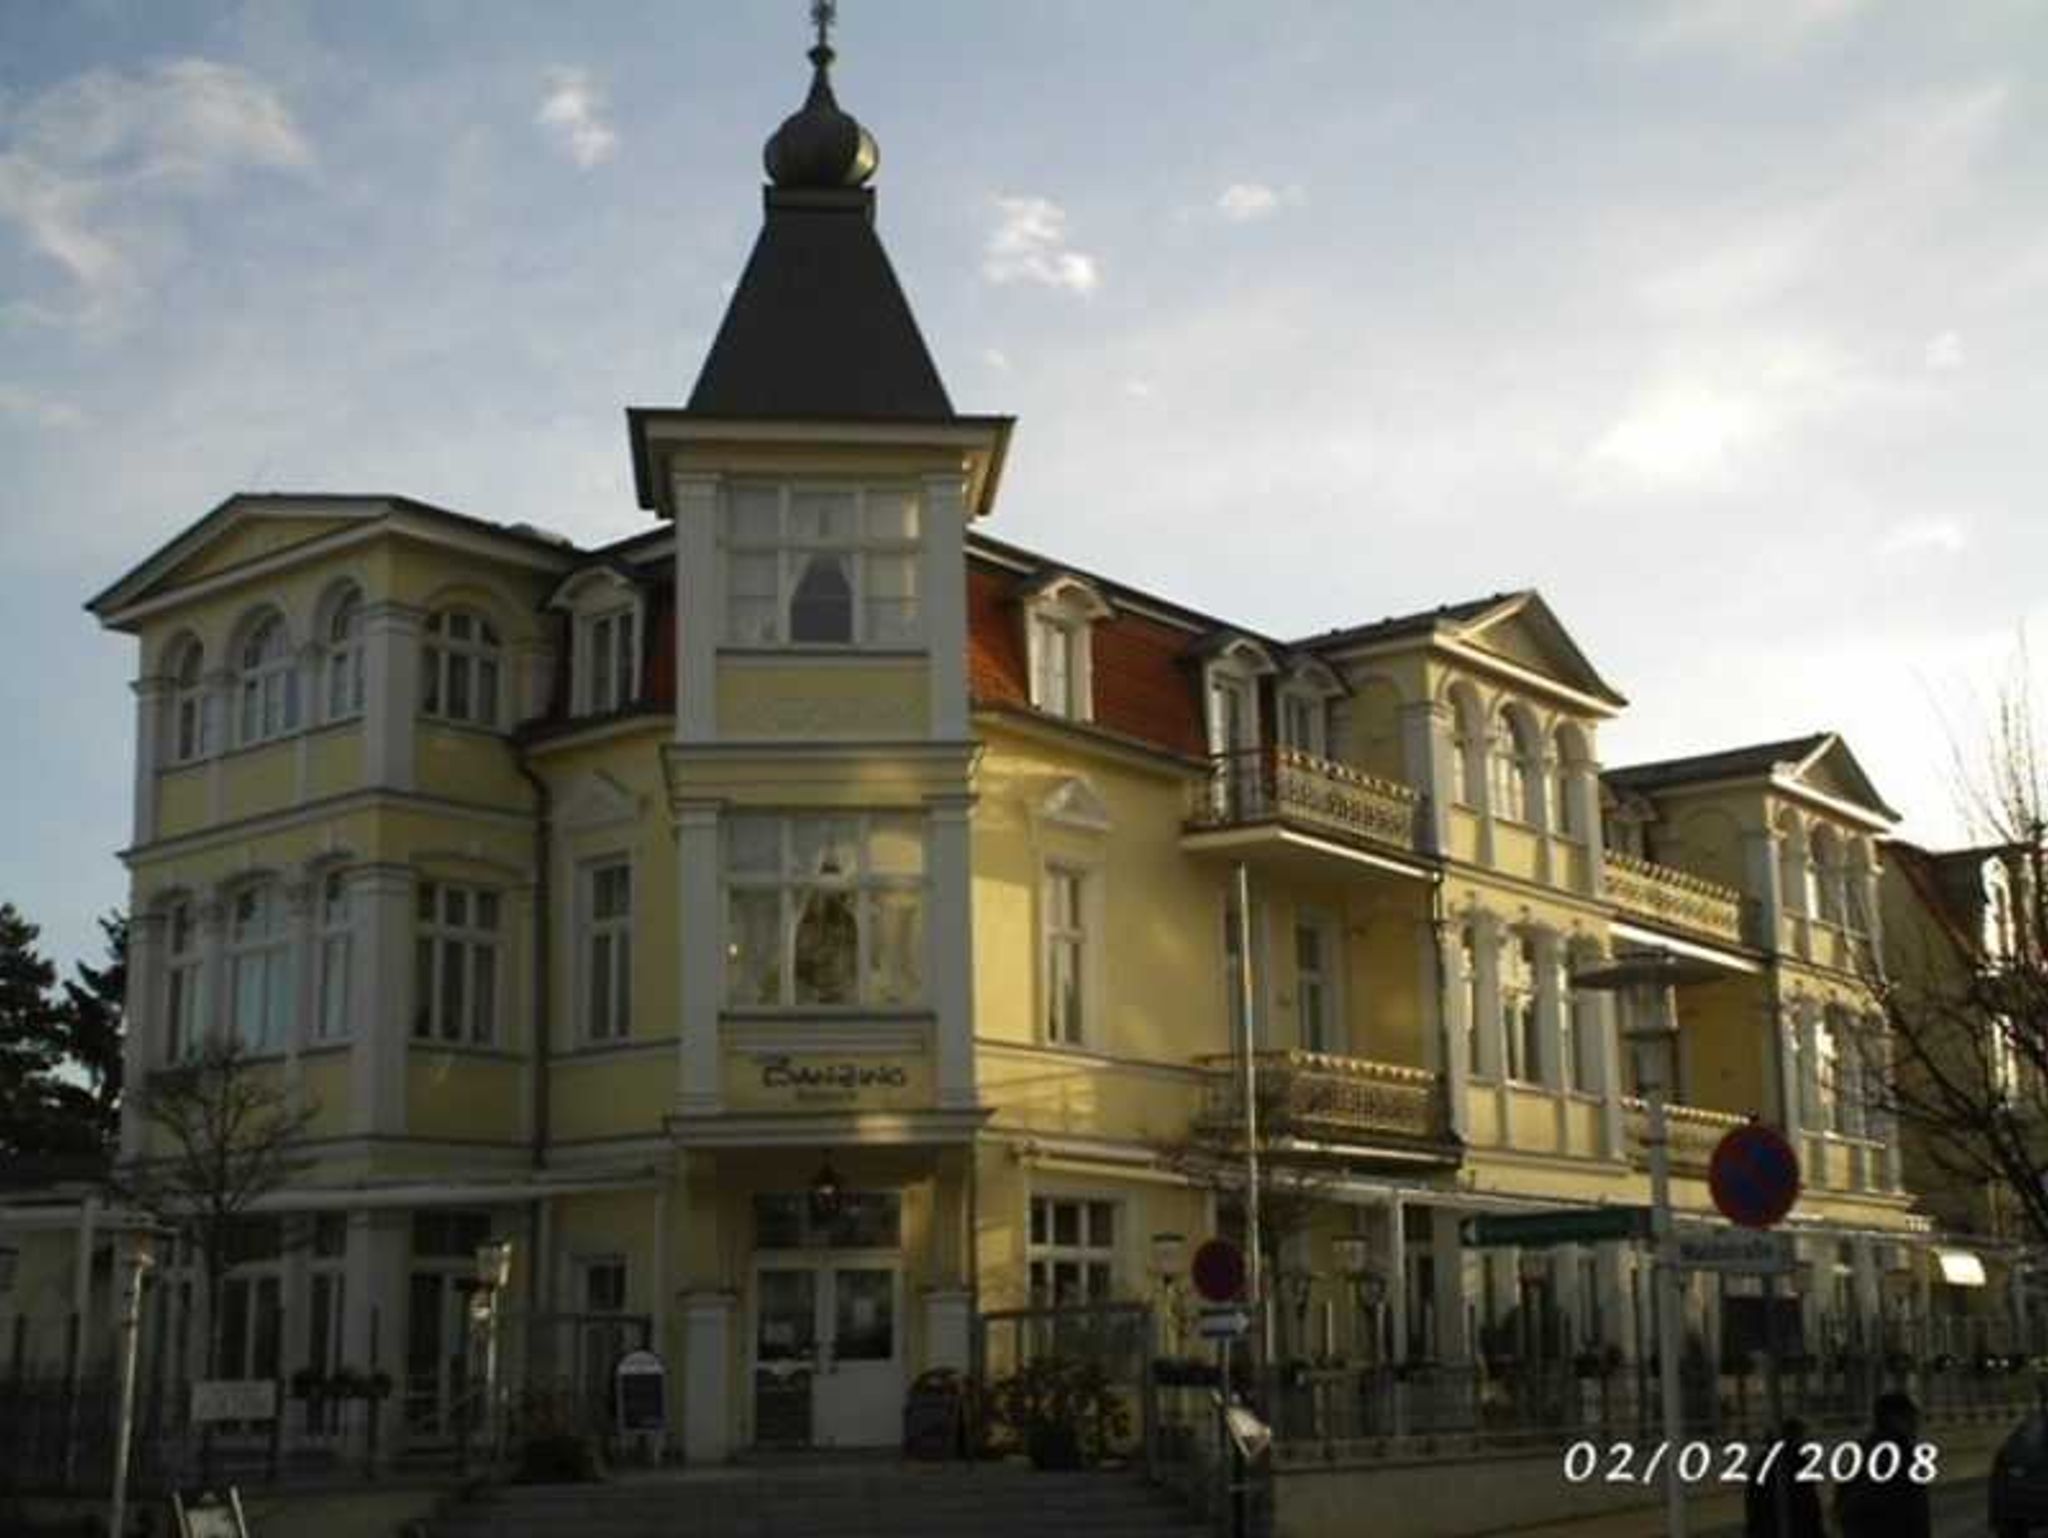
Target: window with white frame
(1073, 1250)
(1314, 984)
(825, 909)
(1821, 1112)
(184, 1026)
(812, 565)
(188, 704)
(1517, 786)
(459, 668)
(1304, 722)
(1468, 971)
(1060, 684)
(1575, 1020)
(334, 942)
(259, 968)
(455, 966)
(1066, 954)
(343, 658)
(607, 915)
(608, 654)
(1468, 751)
(1519, 1018)
(266, 683)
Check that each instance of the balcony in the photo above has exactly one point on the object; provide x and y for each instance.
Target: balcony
(1318, 1101)
(1692, 1131)
(1674, 899)
(1286, 788)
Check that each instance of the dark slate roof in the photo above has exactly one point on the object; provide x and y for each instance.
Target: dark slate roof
(1730, 763)
(1406, 624)
(819, 327)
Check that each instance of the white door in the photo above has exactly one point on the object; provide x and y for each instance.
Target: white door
(828, 1352)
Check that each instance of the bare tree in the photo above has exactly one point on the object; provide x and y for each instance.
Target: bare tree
(225, 1134)
(1965, 993)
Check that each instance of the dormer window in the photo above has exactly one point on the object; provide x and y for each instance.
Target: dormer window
(1060, 612)
(1231, 677)
(610, 661)
(1303, 702)
(606, 610)
(821, 566)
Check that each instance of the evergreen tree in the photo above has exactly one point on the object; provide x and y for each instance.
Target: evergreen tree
(90, 1025)
(30, 1034)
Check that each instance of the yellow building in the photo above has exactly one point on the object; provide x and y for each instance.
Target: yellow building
(810, 924)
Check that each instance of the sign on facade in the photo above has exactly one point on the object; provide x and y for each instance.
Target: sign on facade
(234, 1399)
(1565, 1225)
(1741, 1251)
(641, 1380)
(1223, 1323)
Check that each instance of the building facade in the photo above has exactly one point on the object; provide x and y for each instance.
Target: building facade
(619, 901)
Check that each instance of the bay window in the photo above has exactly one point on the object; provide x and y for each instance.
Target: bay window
(184, 1026)
(455, 964)
(267, 683)
(821, 566)
(344, 658)
(259, 968)
(333, 942)
(459, 668)
(188, 704)
(825, 909)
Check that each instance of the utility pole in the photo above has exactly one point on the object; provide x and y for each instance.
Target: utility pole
(1248, 1046)
(139, 1262)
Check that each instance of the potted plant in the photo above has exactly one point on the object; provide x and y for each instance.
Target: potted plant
(1065, 1413)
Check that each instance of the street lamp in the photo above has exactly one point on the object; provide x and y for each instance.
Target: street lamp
(1647, 980)
(141, 1256)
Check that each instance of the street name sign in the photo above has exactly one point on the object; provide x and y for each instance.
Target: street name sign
(1560, 1225)
(1742, 1251)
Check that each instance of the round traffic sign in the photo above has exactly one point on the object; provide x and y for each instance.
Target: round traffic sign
(1754, 1176)
(1218, 1271)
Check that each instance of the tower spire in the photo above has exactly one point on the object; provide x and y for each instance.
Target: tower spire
(820, 146)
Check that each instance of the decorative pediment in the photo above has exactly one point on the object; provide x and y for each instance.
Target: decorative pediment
(1236, 650)
(593, 586)
(1831, 770)
(1073, 803)
(596, 800)
(1312, 675)
(1060, 589)
(1522, 630)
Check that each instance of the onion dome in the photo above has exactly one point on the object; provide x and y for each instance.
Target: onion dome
(821, 146)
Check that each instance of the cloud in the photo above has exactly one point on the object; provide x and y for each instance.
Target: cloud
(573, 113)
(996, 359)
(1243, 202)
(1678, 433)
(1757, 31)
(1945, 351)
(38, 410)
(1943, 534)
(89, 160)
(1029, 245)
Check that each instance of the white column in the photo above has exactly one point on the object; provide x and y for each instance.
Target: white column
(1549, 1072)
(141, 1014)
(306, 678)
(150, 694)
(707, 1376)
(1542, 769)
(1426, 749)
(1584, 788)
(701, 955)
(700, 613)
(1396, 1251)
(373, 1329)
(301, 906)
(1454, 1008)
(391, 681)
(1760, 860)
(943, 591)
(381, 899)
(949, 937)
(1447, 1252)
(1597, 1014)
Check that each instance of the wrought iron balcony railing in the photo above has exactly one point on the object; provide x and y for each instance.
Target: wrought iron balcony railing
(1263, 785)
(1320, 1097)
(1674, 898)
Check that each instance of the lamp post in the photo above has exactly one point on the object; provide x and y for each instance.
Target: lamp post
(141, 1257)
(1647, 979)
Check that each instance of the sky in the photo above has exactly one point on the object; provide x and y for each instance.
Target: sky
(1719, 323)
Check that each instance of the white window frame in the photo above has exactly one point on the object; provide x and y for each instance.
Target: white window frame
(188, 734)
(1577, 1058)
(477, 658)
(1516, 782)
(605, 950)
(1087, 1253)
(266, 683)
(1521, 1021)
(1060, 615)
(1067, 945)
(333, 949)
(474, 945)
(1238, 666)
(1326, 979)
(869, 887)
(342, 693)
(184, 983)
(1304, 723)
(608, 660)
(870, 548)
(1476, 1066)
(259, 962)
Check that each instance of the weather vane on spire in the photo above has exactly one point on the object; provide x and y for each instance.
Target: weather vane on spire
(823, 14)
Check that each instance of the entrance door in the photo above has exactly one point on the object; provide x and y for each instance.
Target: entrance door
(436, 1357)
(828, 1353)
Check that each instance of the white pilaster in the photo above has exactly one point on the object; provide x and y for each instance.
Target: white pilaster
(943, 594)
(374, 1322)
(391, 673)
(700, 953)
(1549, 1071)
(215, 1014)
(1447, 1252)
(382, 899)
(216, 709)
(707, 1376)
(949, 936)
(150, 696)
(142, 1017)
(1760, 860)
(1396, 1251)
(1486, 943)
(1597, 1014)
(1447, 979)
(700, 614)
(1426, 749)
(1542, 769)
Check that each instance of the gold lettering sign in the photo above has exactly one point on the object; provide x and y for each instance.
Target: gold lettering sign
(830, 1080)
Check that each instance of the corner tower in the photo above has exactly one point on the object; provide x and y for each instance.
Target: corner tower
(820, 770)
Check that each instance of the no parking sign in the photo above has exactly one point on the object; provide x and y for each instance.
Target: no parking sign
(1754, 1176)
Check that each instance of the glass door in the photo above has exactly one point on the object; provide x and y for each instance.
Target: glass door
(785, 1353)
(860, 1390)
(436, 1356)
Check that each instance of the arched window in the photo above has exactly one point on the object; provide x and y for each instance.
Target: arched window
(183, 1029)
(1793, 894)
(1517, 779)
(188, 703)
(343, 659)
(1827, 875)
(267, 684)
(459, 668)
(1468, 749)
(259, 970)
(1518, 1009)
(1468, 971)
